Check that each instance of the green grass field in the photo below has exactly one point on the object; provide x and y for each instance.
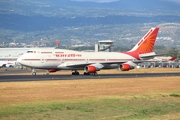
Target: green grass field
(106, 108)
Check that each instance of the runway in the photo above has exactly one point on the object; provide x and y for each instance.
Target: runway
(5, 77)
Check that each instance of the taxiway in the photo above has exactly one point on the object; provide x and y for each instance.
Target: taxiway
(17, 75)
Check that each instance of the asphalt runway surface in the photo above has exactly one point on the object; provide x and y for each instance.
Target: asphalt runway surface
(5, 76)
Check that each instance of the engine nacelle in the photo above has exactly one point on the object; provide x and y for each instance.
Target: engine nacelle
(124, 67)
(127, 66)
(90, 69)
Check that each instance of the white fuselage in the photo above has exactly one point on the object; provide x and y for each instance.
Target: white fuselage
(68, 59)
(12, 54)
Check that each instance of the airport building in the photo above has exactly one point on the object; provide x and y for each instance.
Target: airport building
(11, 53)
(104, 45)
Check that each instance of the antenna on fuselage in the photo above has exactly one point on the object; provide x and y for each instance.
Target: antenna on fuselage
(57, 44)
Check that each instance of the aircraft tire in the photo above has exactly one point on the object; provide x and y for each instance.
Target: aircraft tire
(75, 73)
(33, 73)
(85, 73)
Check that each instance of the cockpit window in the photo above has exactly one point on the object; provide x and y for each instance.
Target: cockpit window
(29, 51)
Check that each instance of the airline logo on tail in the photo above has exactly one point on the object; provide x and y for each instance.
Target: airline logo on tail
(145, 45)
(173, 58)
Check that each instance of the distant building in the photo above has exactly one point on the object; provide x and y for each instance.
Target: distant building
(12, 53)
(105, 45)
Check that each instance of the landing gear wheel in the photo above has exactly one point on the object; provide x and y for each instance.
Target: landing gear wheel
(75, 72)
(33, 73)
(94, 73)
(47, 72)
(85, 73)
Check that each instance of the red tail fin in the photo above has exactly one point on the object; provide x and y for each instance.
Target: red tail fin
(145, 45)
(173, 58)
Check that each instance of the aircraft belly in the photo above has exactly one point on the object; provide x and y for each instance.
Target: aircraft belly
(42, 65)
(110, 66)
(71, 68)
(49, 65)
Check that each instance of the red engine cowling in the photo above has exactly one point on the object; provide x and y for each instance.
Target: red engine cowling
(52, 70)
(125, 67)
(90, 69)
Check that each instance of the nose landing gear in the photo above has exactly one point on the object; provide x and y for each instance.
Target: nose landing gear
(33, 72)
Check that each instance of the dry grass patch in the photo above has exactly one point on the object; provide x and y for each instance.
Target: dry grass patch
(77, 89)
(120, 98)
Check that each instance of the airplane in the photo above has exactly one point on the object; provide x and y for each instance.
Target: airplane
(53, 60)
(7, 64)
(168, 62)
(165, 59)
(161, 61)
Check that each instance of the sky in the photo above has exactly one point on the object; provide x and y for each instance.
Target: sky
(177, 1)
(106, 1)
(98, 1)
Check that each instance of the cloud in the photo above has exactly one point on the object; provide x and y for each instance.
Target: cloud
(98, 1)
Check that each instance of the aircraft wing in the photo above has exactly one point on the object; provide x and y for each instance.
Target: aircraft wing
(80, 65)
(75, 65)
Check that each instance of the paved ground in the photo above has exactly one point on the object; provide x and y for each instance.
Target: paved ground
(14, 75)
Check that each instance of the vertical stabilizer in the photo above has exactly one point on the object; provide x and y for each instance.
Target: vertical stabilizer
(145, 45)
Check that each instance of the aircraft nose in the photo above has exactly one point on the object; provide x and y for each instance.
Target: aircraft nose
(19, 60)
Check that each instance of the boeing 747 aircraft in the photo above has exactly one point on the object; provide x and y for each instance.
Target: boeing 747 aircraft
(54, 60)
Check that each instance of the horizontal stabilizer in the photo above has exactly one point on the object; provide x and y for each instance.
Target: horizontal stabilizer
(148, 56)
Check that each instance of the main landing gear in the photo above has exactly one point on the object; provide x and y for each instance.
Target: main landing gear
(75, 72)
(86, 73)
(34, 72)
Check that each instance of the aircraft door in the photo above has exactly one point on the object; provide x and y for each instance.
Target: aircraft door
(42, 60)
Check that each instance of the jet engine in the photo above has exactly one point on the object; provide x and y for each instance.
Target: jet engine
(8, 66)
(93, 68)
(90, 69)
(127, 66)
